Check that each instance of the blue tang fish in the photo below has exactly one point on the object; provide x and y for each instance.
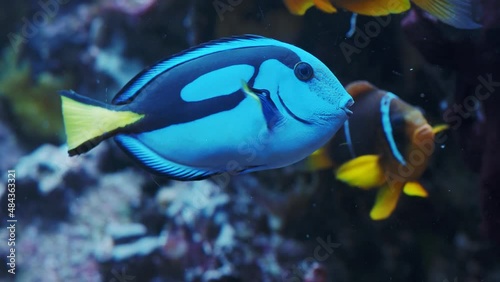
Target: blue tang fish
(235, 105)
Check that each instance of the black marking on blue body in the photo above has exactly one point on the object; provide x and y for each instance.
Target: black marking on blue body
(289, 111)
(160, 100)
(120, 100)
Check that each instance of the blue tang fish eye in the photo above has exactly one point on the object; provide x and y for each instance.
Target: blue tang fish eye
(235, 105)
(303, 71)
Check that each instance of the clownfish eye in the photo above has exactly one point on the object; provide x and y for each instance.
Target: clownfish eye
(303, 71)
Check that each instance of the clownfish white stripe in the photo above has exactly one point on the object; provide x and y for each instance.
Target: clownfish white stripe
(385, 106)
(347, 133)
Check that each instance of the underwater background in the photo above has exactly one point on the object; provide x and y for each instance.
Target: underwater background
(100, 217)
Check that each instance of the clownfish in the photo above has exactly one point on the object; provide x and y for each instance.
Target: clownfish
(457, 13)
(234, 105)
(386, 144)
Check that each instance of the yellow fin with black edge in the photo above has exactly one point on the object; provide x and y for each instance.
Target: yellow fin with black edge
(385, 202)
(299, 7)
(414, 188)
(319, 160)
(325, 6)
(440, 127)
(457, 13)
(249, 92)
(375, 7)
(86, 121)
(364, 172)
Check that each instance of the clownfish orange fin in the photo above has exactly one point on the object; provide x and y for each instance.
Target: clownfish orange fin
(385, 202)
(438, 128)
(298, 7)
(364, 172)
(318, 160)
(325, 6)
(415, 189)
(375, 7)
(358, 88)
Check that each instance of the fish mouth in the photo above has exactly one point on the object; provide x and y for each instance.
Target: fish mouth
(347, 111)
(423, 132)
(347, 107)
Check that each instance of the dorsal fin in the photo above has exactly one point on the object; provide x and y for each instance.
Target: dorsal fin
(128, 92)
(360, 87)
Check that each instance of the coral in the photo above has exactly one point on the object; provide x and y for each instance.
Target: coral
(9, 149)
(64, 209)
(33, 98)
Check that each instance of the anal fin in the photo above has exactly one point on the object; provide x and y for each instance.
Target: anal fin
(159, 165)
(385, 202)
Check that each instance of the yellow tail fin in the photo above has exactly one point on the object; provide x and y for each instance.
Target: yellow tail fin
(86, 120)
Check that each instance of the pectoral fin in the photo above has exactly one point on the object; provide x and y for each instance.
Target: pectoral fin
(249, 91)
(415, 189)
(363, 172)
(269, 109)
(385, 202)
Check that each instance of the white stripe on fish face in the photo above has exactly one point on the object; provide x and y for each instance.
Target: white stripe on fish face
(385, 106)
(217, 83)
